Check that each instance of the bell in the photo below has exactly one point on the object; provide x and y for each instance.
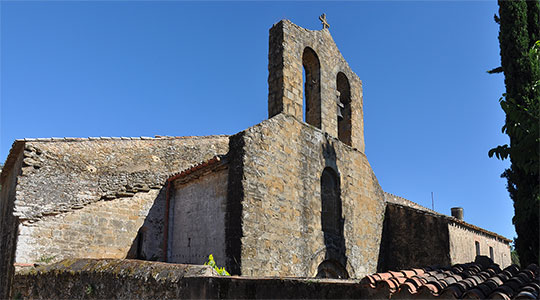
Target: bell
(339, 113)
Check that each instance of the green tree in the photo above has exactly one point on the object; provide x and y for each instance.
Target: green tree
(514, 257)
(519, 30)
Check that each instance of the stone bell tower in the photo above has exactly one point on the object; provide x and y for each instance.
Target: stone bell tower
(331, 96)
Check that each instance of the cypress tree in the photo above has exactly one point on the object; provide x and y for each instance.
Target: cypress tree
(519, 30)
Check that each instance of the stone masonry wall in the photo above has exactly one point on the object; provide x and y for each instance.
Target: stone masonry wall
(91, 196)
(413, 239)
(285, 84)
(104, 229)
(198, 219)
(283, 160)
(463, 249)
(132, 279)
(63, 174)
(9, 222)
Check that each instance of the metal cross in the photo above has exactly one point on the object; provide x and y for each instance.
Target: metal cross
(324, 22)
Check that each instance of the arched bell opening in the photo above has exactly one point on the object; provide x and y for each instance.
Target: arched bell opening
(344, 109)
(312, 87)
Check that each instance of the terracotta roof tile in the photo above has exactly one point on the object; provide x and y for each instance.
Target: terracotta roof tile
(408, 273)
(211, 162)
(419, 271)
(481, 279)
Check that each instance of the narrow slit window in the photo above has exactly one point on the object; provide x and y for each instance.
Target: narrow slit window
(477, 245)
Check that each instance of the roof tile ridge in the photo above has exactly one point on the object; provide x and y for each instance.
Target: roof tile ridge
(474, 227)
(107, 138)
(203, 164)
(190, 136)
(430, 212)
(410, 201)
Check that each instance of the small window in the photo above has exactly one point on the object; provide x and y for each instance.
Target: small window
(477, 244)
(491, 253)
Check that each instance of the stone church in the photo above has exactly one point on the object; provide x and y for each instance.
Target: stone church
(292, 196)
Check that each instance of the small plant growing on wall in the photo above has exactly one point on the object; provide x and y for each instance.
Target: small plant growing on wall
(46, 259)
(89, 289)
(212, 263)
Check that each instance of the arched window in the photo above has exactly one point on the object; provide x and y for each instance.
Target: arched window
(344, 108)
(312, 87)
(332, 227)
(331, 203)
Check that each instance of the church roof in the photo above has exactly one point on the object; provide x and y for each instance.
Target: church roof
(481, 279)
(215, 161)
(18, 144)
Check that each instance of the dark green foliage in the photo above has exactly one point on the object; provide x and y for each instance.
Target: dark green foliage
(533, 16)
(514, 257)
(496, 70)
(520, 60)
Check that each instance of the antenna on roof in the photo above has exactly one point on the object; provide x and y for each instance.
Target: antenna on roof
(432, 203)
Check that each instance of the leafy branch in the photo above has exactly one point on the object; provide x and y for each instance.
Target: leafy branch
(212, 263)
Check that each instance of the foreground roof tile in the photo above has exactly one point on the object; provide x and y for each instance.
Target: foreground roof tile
(481, 279)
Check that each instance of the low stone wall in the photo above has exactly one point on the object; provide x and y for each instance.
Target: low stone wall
(133, 279)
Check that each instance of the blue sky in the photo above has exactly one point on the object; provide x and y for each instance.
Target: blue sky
(104, 68)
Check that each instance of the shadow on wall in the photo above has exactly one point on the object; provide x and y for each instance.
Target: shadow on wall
(411, 239)
(148, 244)
(332, 220)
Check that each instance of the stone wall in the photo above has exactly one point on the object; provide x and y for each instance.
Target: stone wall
(9, 222)
(91, 196)
(197, 216)
(63, 174)
(286, 87)
(131, 279)
(463, 249)
(279, 188)
(104, 229)
(413, 239)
